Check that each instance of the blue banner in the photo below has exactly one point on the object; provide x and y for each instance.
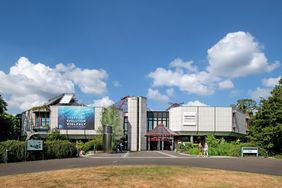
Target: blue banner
(76, 117)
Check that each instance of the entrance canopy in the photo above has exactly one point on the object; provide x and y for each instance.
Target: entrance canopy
(161, 131)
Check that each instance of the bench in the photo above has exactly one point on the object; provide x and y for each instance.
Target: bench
(249, 150)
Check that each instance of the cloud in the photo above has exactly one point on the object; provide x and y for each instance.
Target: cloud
(267, 86)
(28, 84)
(226, 84)
(270, 82)
(180, 64)
(195, 103)
(238, 54)
(194, 83)
(103, 102)
(155, 95)
(170, 92)
(90, 81)
(260, 92)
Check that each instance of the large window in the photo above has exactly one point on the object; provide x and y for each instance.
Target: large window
(154, 118)
(42, 119)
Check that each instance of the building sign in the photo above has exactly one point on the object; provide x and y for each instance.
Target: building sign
(76, 117)
(34, 145)
(189, 118)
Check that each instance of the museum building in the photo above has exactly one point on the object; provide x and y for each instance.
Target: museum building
(143, 129)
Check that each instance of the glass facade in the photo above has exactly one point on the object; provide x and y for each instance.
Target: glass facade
(154, 118)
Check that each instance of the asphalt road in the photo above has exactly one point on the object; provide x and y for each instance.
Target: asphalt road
(250, 164)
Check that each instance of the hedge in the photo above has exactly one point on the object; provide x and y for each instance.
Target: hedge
(52, 149)
(16, 150)
(59, 149)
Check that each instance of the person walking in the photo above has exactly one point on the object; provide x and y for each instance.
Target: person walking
(200, 148)
(206, 149)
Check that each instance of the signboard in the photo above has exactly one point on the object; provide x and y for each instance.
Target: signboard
(189, 118)
(34, 145)
(76, 118)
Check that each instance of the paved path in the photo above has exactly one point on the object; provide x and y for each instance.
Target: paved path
(256, 165)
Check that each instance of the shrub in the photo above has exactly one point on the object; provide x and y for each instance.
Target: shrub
(16, 150)
(194, 151)
(212, 141)
(97, 141)
(59, 149)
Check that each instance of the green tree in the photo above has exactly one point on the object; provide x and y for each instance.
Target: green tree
(9, 125)
(266, 125)
(111, 117)
(245, 105)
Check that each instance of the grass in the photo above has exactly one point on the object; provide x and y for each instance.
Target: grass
(140, 176)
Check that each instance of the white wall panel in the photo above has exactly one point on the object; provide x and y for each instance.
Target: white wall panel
(206, 118)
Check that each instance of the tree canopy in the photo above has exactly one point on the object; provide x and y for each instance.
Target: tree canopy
(245, 105)
(111, 117)
(3, 105)
(9, 126)
(266, 125)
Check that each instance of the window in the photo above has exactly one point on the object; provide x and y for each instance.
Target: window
(42, 119)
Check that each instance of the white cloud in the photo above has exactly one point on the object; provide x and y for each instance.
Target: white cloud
(195, 103)
(90, 81)
(270, 82)
(260, 92)
(180, 64)
(103, 102)
(155, 95)
(226, 84)
(170, 92)
(265, 91)
(29, 84)
(195, 83)
(238, 54)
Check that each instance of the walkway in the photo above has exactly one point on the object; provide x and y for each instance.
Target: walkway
(256, 165)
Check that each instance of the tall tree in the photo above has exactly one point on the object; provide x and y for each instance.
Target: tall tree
(111, 117)
(245, 105)
(266, 125)
(3, 105)
(8, 123)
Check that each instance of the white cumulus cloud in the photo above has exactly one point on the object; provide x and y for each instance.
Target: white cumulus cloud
(28, 84)
(90, 81)
(226, 84)
(103, 102)
(195, 103)
(270, 82)
(155, 95)
(267, 86)
(180, 64)
(238, 54)
(195, 83)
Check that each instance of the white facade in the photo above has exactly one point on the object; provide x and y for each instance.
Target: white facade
(183, 120)
(202, 120)
(137, 121)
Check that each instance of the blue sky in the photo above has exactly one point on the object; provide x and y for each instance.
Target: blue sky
(210, 52)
